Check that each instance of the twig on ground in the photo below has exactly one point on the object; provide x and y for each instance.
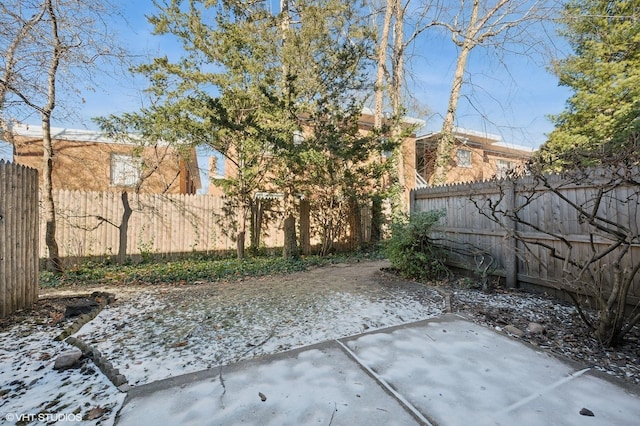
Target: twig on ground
(253, 347)
(224, 387)
(335, 408)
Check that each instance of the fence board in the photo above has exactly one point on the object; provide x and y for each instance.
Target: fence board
(18, 237)
(464, 224)
(159, 224)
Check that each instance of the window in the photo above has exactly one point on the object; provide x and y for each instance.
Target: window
(298, 138)
(502, 168)
(125, 170)
(464, 158)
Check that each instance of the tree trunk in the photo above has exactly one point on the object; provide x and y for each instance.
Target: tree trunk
(305, 227)
(49, 208)
(376, 219)
(606, 331)
(355, 223)
(54, 263)
(383, 43)
(290, 248)
(123, 229)
(447, 140)
(240, 245)
(396, 99)
(256, 226)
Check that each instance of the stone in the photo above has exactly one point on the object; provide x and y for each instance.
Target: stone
(535, 328)
(120, 381)
(67, 359)
(512, 329)
(586, 412)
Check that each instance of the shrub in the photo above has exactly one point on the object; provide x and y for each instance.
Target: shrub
(412, 251)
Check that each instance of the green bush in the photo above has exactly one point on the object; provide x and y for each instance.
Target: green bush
(412, 251)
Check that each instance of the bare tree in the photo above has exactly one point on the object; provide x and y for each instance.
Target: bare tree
(17, 31)
(603, 203)
(495, 24)
(54, 49)
(391, 56)
(29, 32)
(153, 148)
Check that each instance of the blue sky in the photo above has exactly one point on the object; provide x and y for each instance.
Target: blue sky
(513, 103)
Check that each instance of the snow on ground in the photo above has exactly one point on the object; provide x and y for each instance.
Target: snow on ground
(32, 392)
(444, 371)
(152, 336)
(155, 332)
(316, 386)
(152, 333)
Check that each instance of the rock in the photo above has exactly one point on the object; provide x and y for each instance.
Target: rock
(535, 328)
(586, 412)
(120, 382)
(67, 359)
(511, 329)
(124, 387)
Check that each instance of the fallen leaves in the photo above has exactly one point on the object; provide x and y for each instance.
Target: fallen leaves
(56, 317)
(94, 413)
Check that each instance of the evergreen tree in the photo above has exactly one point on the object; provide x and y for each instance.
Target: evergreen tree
(252, 81)
(603, 115)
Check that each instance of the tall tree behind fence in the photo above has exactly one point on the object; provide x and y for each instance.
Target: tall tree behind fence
(471, 234)
(19, 217)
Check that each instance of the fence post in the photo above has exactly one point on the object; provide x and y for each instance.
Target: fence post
(509, 223)
(412, 201)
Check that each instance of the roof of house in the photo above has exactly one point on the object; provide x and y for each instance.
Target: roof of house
(61, 133)
(82, 135)
(406, 119)
(486, 139)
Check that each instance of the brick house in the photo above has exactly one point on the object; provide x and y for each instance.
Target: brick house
(225, 168)
(477, 156)
(89, 161)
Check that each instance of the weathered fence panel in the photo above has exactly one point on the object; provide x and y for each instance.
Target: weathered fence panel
(19, 238)
(465, 229)
(87, 224)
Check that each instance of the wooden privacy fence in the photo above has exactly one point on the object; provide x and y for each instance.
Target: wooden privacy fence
(18, 237)
(465, 229)
(87, 224)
